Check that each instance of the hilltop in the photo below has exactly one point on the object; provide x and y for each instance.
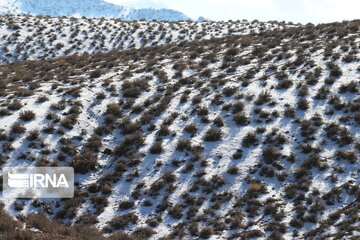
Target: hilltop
(38, 38)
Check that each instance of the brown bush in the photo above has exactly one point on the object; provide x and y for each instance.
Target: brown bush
(213, 135)
(122, 221)
(183, 144)
(270, 154)
(27, 115)
(134, 88)
(143, 233)
(113, 109)
(241, 119)
(84, 162)
(191, 129)
(4, 112)
(42, 99)
(15, 105)
(238, 107)
(163, 131)
(250, 139)
(229, 91)
(219, 122)
(263, 98)
(17, 128)
(176, 211)
(95, 74)
(233, 170)
(335, 70)
(285, 84)
(69, 121)
(156, 148)
(123, 205)
(33, 135)
(303, 104)
(206, 232)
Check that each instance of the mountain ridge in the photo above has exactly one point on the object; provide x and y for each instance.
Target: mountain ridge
(97, 8)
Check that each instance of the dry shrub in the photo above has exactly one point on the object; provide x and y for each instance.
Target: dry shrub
(183, 144)
(250, 139)
(270, 154)
(156, 148)
(206, 232)
(17, 128)
(122, 221)
(27, 115)
(142, 233)
(15, 105)
(241, 119)
(191, 128)
(129, 144)
(213, 135)
(85, 162)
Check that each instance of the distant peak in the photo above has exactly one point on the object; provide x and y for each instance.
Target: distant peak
(134, 10)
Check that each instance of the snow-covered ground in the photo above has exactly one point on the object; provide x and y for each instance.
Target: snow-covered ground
(36, 38)
(259, 133)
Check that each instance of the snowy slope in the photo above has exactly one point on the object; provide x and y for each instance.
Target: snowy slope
(35, 38)
(87, 8)
(242, 137)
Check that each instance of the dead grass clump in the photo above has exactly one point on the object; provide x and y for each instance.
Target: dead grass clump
(263, 97)
(206, 232)
(191, 129)
(4, 112)
(238, 107)
(27, 115)
(122, 221)
(349, 156)
(176, 211)
(17, 128)
(95, 74)
(270, 155)
(134, 88)
(15, 105)
(250, 139)
(335, 70)
(229, 91)
(213, 135)
(219, 122)
(69, 121)
(183, 144)
(233, 170)
(124, 205)
(156, 148)
(142, 233)
(129, 144)
(85, 162)
(303, 104)
(241, 119)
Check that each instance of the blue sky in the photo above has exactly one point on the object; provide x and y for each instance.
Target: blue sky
(303, 11)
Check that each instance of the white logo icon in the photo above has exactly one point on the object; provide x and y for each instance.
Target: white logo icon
(18, 180)
(36, 180)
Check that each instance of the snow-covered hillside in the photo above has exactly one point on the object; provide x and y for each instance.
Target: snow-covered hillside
(241, 137)
(87, 8)
(35, 38)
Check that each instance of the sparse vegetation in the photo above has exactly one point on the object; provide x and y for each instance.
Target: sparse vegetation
(174, 138)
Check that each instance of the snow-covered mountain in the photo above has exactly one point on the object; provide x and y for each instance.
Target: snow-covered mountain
(87, 8)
